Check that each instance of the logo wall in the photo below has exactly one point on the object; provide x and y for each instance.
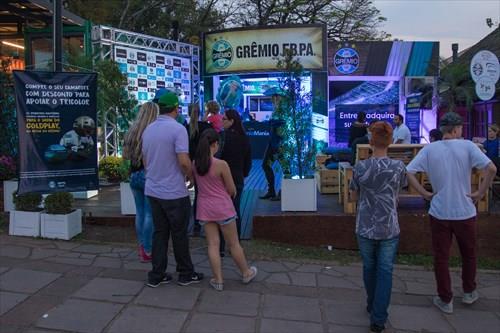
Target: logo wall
(346, 60)
(485, 71)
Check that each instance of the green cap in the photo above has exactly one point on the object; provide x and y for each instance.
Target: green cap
(168, 100)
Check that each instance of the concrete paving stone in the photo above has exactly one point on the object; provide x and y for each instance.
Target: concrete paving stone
(413, 318)
(5, 328)
(418, 288)
(112, 290)
(398, 285)
(482, 304)
(87, 256)
(26, 281)
(169, 296)
(30, 310)
(471, 321)
(332, 272)
(231, 274)
(291, 308)
(355, 280)
(303, 279)
(44, 253)
(276, 325)
(47, 266)
(341, 313)
(124, 274)
(136, 264)
(92, 248)
(279, 278)
(107, 262)
(3, 269)
(291, 265)
(343, 294)
(337, 282)
(65, 285)
(66, 245)
(146, 320)
(80, 316)
(127, 250)
(490, 292)
(15, 251)
(70, 255)
(310, 268)
(110, 255)
(198, 258)
(214, 323)
(352, 269)
(37, 330)
(70, 261)
(9, 300)
(11, 262)
(415, 300)
(348, 329)
(270, 266)
(414, 274)
(85, 271)
(229, 302)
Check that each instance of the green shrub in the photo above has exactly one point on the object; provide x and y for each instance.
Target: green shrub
(109, 167)
(124, 170)
(28, 202)
(59, 203)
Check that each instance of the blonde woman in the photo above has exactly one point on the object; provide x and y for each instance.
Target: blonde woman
(132, 150)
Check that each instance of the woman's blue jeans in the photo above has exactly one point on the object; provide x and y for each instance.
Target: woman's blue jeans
(378, 260)
(143, 215)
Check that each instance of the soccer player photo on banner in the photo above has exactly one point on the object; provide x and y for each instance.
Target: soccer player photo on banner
(57, 118)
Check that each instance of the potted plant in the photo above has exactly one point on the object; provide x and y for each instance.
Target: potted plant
(127, 204)
(9, 186)
(297, 150)
(24, 220)
(109, 167)
(60, 220)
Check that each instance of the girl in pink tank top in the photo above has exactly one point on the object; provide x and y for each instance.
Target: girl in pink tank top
(215, 208)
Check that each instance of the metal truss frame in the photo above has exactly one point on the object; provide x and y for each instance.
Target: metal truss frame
(104, 40)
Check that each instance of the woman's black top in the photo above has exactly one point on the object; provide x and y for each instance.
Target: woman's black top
(357, 130)
(193, 142)
(236, 152)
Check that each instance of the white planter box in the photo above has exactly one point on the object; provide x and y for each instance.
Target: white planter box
(9, 187)
(61, 226)
(298, 195)
(24, 223)
(84, 194)
(127, 202)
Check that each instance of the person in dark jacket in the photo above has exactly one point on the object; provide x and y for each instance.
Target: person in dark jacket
(236, 152)
(358, 128)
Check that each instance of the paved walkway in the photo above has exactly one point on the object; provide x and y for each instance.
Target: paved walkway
(57, 286)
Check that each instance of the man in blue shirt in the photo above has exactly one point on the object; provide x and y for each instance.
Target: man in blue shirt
(165, 150)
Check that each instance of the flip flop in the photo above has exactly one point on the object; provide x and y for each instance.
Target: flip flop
(250, 277)
(219, 286)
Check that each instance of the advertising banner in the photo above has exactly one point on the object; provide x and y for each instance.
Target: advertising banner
(395, 58)
(412, 117)
(57, 117)
(344, 115)
(257, 50)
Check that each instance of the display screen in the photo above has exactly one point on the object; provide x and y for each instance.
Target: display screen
(266, 104)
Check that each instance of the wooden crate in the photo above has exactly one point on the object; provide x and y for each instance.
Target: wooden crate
(327, 180)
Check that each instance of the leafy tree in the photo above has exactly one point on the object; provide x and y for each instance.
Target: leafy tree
(456, 87)
(8, 122)
(295, 109)
(345, 19)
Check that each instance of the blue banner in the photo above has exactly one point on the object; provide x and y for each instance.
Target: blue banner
(57, 117)
(412, 118)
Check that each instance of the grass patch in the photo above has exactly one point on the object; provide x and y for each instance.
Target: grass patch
(265, 250)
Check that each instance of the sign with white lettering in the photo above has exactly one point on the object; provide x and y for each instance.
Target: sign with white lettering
(56, 118)
(485, 71)
(257, 49)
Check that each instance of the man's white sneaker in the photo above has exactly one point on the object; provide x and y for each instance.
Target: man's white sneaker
(445, 307)
(470, 298)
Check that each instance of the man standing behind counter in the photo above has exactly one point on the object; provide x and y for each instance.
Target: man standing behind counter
(449, 164)
(401, 131)
(165, 152)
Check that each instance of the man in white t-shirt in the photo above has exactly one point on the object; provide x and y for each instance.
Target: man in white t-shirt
(448, 164)
(401, 132)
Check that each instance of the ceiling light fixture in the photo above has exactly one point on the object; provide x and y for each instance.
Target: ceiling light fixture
(13, 45)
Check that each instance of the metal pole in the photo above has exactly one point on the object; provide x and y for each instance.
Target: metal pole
(57, 36)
